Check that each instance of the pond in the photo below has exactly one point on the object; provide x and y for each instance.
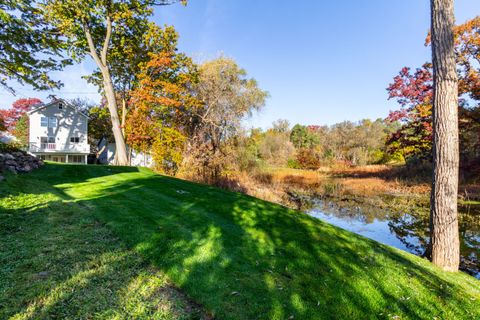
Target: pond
(408, 231)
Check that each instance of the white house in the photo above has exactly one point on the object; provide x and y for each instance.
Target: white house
(58, 132)
(108, 150)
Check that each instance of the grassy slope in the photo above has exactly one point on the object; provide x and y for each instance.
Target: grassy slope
(242, 258)
(58, 261)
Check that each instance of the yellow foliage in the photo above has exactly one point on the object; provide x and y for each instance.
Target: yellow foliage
(167, 150)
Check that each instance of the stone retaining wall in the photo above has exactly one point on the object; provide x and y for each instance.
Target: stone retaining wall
(18, 162)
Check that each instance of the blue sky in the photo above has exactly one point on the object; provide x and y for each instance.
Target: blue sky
(321, 61)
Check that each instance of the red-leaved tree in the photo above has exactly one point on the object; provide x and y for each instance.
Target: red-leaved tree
(19, 108)
(15, 119)
(413, 91)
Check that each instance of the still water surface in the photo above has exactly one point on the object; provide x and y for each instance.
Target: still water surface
(406, 231)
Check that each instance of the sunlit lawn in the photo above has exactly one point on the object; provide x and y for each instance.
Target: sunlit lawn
(103, 242)
(58, 261)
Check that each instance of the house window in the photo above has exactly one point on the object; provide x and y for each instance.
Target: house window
(60, 106)
(75, 159)
(74, 139)
(44, 122)
(52, 122)
(47, 139)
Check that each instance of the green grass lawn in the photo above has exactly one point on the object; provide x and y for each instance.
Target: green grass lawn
(113, 242)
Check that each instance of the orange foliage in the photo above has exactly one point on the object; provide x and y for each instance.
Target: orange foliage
(160, 105)
(467, 44)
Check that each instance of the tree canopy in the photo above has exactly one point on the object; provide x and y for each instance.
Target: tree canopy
(413, 90)
(30, 48)
(105, 30)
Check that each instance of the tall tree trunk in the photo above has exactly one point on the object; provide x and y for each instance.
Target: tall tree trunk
(120, 146)
(443, 202)
(101, 61)
(124, 114)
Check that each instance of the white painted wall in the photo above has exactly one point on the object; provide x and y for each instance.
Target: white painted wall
(141, 159)
(70, 123)
(138, 159)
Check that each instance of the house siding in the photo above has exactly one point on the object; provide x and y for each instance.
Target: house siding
(70, 123)
(138, 159)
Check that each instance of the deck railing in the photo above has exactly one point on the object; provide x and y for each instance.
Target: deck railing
(57, 147)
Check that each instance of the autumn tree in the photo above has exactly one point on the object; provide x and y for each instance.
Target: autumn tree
(302, 137)
(162, 103)
(247, 149)
(413, 90)
(128, 58)
(414, 93)
(275, 147)
(2, 124)
(227, 96)
(467, 54)
(366, 142)
(355, 143)
(16, 118)
(102, 29)
(445, 248)
(21, 130)
(29, 47)
(99, 124)
(281, 126)
(167, 150)
(18, 109)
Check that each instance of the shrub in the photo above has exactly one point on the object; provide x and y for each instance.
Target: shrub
(276, 149)
(293, 164)
(167, 150)
(10, 147)
(308, 159)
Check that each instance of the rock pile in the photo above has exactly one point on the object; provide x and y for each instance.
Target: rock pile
(18, 162)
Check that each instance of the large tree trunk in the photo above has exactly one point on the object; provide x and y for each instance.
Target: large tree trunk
(443, 203)
(124, 115)
(101, 61)
(120, 146)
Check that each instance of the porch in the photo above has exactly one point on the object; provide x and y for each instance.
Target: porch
(52, 147)
(64, 158)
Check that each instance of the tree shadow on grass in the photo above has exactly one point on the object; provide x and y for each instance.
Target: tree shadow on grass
(58, 261)
(240, 257)
(73, 173)
(248, 259)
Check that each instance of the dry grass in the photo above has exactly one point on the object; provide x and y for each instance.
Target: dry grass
(356, 181)
(364, 183)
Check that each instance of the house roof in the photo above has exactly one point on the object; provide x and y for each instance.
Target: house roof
(55, 101)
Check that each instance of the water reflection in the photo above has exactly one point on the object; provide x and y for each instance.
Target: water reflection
(404, 230)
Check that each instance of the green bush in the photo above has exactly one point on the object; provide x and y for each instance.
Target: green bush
(10, 147)
(293, 164)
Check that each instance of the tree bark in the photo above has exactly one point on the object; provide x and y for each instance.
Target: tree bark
(124, 115)
(443, 202)
(120, 146)
(101, 61)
